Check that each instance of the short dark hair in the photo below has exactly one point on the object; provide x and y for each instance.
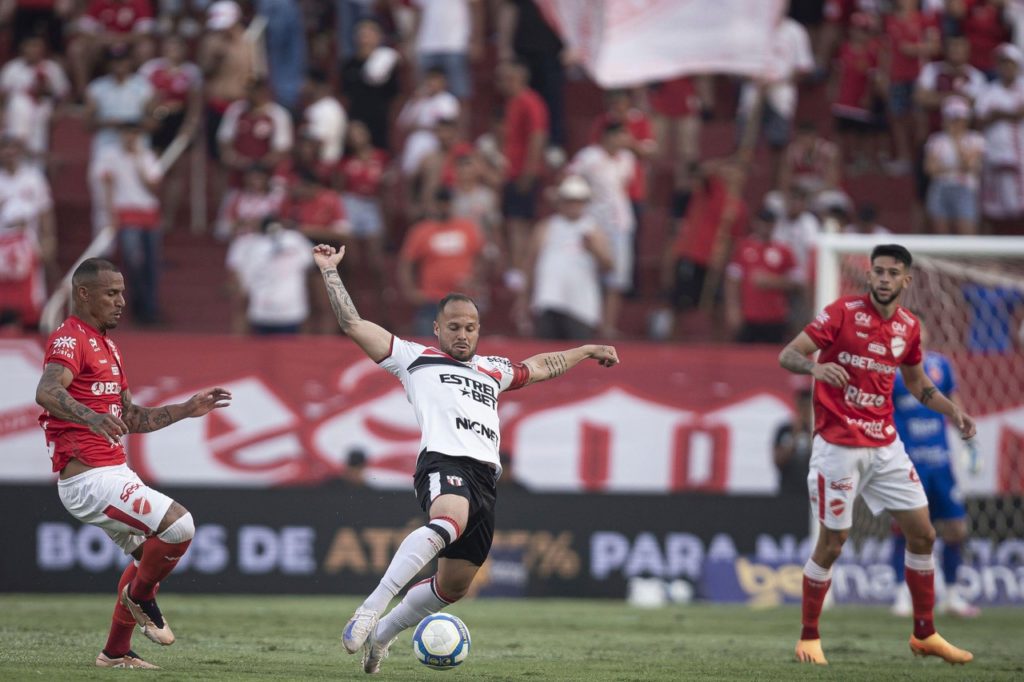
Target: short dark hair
(88, 270)
(896, 251)
(451, 298)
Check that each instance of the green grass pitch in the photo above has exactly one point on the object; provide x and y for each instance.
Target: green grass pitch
(56, 637)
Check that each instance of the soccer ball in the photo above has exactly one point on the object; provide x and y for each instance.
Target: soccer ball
(441, 641)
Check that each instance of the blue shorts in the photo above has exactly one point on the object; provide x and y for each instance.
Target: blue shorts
(945, 501)
(951, 201)
(901, 97)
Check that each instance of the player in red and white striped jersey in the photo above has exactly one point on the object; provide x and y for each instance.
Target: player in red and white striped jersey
(87, 410)
(454, 393)
(863, 341)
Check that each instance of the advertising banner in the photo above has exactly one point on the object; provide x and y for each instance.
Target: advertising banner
(669, 419)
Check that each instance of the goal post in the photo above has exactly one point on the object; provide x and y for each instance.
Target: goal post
(969, 292)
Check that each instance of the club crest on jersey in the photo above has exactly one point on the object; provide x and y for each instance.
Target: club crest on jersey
(898, 345)
(838, 507)
(862, 319)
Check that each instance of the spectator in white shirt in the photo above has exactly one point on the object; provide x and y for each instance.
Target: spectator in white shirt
(30, 86)
(448, 34)
(952, 160)
(268, 277)
(119, 97)
(568, 253)
(999, 110)
(608, 168)
(797, 228)
(130, 176)
(324, 118)
(24, 183)
(769, 102)
(429, 105)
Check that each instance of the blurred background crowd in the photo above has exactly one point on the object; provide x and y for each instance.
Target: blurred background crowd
(460, 145)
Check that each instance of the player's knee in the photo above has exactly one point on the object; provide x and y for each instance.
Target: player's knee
(452, 590)
(921, 540)
(182, 530)
(954, 533)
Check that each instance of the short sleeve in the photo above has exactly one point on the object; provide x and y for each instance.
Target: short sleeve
(914, 355)
(400, 356)
(66, 349)
(510, 375)
(824, 329)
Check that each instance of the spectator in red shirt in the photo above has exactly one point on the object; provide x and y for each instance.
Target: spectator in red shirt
(316, 211)
(106, 23)
(913, 39)
(757, 285)
(857, 104)
(693, 266)
(676, 111)
(439, 256)
(254, 130)
(526, 134)
(985, 25)
(245, 210)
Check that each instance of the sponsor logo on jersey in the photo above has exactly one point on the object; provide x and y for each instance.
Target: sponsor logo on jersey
(128, 489)
(106, 388)
(906, 316)
(94, 345)
(64, 345)
(862, 335)
(899, 328)
(842, 484)
(898, 345)
(821, 319)
(858, 398)
(115, 370)
(465, 424)
(862, 319)
(872, 428)
(862, 362)
(853, 305)
(876, 348)
(454, 481)
(479, 391)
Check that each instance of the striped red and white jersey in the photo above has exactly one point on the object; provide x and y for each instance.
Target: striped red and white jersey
(456, 402)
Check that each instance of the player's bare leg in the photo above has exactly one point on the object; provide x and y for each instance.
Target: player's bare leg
(448, 516)
(160, 554)
(920, 576)
(452, 581)
(817, 580)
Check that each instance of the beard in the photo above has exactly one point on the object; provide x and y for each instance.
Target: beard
(461, 356)
(885, 300)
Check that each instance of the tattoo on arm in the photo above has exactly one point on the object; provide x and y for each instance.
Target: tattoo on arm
(794, 361)
(341, 301)
(927, 394)
(61, 404)
(140, 419)
(555, 365)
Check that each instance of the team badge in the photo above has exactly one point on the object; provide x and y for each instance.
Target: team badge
(898, 345)
(838, 507)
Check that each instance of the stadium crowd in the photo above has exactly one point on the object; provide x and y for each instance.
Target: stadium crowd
(435, 138)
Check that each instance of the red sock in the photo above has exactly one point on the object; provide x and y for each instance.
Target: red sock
(814, 597)
(122, 624)
(158, 559)
(922, 594)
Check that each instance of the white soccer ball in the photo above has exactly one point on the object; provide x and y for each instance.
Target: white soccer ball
(441, 641)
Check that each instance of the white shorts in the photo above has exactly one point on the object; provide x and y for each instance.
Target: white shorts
(883, 476)
(115, 499)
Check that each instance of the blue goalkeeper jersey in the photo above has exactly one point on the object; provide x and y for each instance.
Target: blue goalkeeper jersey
(922, 430)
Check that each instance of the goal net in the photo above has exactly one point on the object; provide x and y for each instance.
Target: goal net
(970, 293)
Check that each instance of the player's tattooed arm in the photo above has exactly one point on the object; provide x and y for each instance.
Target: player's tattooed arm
(52, 395)
(927, 394)
(372, 338)
(795, 357)
(141, 419)
(550, 365)
(922, 388)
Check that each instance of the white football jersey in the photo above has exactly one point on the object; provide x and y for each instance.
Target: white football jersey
(456, 403)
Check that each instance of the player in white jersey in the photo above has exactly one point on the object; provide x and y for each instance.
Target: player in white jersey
(454, 392)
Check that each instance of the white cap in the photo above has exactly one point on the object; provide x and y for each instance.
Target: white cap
(574, 188)
(1011, 52)
(222, 15)
(955, 107)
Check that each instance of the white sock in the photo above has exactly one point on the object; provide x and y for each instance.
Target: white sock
(921, 563)
(816, 572)
(420, 601)
(415, 552)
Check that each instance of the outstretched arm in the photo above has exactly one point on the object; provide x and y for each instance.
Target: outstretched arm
(550, 365)
(52, 395)
(141, 419)
(922, 388)
(373, 339)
